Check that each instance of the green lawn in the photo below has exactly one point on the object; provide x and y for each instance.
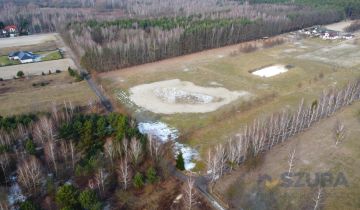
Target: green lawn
(52, 55)
(48, 56)
(4, 61)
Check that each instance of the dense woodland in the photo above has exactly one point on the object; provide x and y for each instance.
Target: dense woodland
(112, 34)
(109, 45)
(71, 159)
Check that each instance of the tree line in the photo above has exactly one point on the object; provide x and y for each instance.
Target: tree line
(109, 45)
(263, 134)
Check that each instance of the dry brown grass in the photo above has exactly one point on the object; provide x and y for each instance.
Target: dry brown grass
(315, 152)
(273, 42)
(20, 96)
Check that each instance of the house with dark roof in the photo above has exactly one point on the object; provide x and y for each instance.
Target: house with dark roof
(24, 57)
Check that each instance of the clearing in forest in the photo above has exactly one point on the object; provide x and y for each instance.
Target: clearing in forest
(303, 76)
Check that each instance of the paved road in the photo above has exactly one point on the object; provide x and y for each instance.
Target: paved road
(94, 87)
(201, 184)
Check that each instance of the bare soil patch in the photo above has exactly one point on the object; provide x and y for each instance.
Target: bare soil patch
(175, 96)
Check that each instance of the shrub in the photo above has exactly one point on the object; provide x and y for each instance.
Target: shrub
(58, 71)
(20, 74)
(138, 180)
(89, 200)
(180, 163)
(151, 175)
(273, 42)
(247, 48)
(30, 147)
(67, 196)
(28, 205)
(42, 73)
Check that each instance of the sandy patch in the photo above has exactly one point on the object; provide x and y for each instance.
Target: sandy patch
(270, 71)
(27, 40)
(175, 96)
(8, 72)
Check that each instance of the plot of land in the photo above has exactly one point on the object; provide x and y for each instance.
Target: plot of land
(340, 26)
(307, 78)
(8, 72)
(26, 40)
(39, 93)
(315, 155)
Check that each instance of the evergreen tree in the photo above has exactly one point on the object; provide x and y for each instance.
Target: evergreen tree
(180, 163)
(30, 147)
(89, 200)
(151, 175)
(138, 180)
(67, 196)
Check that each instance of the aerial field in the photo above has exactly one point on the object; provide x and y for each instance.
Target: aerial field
(21, 41)
(41, 86)
(273, 79)
(39, 93)
(316, 157)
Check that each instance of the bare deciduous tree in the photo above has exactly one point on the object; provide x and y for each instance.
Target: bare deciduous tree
(30, 174)
(291, 161)
(339, 132)
(317, 198)
(51, 154)
(124, 172)
(136, 150)
(101, 177)
(110, 151)
(4, 163)
(189, 191)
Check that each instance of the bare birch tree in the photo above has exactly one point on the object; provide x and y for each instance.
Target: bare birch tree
(189, 191)
(30, 174)
(317, 198)
(136, 150)
(291, 161)
(124, 172)
(101, 177)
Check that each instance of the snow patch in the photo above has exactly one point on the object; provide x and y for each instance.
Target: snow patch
(164, 133)
(270, 71)
(15, 194)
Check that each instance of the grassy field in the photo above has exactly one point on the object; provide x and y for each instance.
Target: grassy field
(315, 152)
(307, 79)
(47, 56)
(29, 95)
(4, 61)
